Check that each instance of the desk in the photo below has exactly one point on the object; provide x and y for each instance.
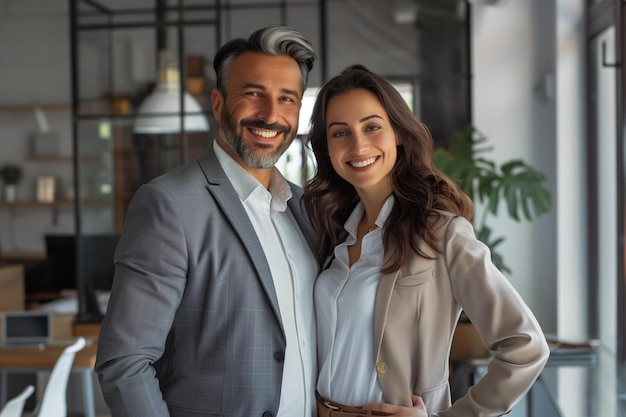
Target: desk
(32, 359)
(544, 399)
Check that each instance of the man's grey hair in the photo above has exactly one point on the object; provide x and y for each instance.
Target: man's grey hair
(271, 40)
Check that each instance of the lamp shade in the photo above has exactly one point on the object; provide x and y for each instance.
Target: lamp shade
(160, 112)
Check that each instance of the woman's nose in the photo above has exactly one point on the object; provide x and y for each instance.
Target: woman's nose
(359, 143)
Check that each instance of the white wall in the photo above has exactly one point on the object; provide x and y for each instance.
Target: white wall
(514, 105)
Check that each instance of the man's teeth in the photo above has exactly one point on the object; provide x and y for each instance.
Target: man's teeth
(361, 164)
(265, 133)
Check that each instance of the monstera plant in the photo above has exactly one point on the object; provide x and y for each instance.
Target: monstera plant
(519, 186)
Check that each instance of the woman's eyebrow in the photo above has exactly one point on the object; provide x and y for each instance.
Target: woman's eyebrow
(372, 116)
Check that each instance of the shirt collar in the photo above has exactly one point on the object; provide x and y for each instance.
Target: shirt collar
(355, 217)
(245, 184)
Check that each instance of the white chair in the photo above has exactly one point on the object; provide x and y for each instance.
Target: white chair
(54, 400)
(15, 406)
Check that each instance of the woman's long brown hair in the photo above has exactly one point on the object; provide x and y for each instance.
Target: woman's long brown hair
(419, 188)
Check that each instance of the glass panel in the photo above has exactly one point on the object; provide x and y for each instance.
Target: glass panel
(96, 176)
(607, 233)
(603, 49)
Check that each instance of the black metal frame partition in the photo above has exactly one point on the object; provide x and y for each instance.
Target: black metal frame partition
(88, 309)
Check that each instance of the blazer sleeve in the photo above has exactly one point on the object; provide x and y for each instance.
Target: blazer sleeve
(504, 322)
(150, 276)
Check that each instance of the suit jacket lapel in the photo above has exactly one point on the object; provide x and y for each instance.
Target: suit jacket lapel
(224, 193)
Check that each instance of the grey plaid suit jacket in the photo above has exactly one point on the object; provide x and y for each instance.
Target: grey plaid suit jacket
(193, 326)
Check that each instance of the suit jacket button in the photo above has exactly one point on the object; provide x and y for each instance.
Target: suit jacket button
(381, 367)
(268, 414)
(279, 356)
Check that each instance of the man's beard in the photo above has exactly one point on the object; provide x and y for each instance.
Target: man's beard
(232, 135)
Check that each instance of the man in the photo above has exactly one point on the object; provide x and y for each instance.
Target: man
(211, 307)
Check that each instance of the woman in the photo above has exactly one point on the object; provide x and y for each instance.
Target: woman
(403, 263)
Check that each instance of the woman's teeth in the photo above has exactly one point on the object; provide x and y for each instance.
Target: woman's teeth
(361, 164)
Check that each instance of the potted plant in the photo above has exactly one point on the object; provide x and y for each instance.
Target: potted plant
(11, 175)
(523, 189)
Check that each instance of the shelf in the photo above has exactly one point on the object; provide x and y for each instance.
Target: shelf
(22, 108)
(21, 257)
(63, 159)
(54, 204)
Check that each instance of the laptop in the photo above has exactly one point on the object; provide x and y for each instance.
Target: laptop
(21, 328)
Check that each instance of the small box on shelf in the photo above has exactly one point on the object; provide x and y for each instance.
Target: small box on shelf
(45, 144)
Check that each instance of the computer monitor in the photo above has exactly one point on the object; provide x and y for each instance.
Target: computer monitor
(98, 251)
(61, 261)
(27, 327)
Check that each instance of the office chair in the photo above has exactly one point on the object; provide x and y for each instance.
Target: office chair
(15, 406)
(54, 401)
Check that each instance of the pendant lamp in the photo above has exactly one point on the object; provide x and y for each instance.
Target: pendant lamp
(160, 112)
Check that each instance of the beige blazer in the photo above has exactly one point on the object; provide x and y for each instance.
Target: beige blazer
(416, 312)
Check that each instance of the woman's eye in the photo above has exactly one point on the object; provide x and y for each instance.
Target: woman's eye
(372, 128)
(339, 133)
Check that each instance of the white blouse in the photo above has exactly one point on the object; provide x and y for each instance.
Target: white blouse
(344, 305)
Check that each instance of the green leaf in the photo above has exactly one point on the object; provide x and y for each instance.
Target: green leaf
(523, 189)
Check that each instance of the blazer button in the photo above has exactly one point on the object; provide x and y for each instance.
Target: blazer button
(381, 367)
(279, 356)
(268, 414)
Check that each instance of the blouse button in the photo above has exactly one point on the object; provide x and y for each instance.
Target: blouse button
(381, 367)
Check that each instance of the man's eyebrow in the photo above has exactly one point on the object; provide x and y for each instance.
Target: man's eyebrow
(290, 92)
(282, 90)
(364, 119)
(253, 85)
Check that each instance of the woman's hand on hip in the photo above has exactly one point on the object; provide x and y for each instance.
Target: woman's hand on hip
(418, 409)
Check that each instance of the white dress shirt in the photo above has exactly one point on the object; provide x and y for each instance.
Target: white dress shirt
(344, 305)
(294, 269)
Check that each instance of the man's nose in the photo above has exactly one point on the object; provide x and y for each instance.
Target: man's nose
(268, 111)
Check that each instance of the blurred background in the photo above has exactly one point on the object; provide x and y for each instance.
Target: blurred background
(541, 80)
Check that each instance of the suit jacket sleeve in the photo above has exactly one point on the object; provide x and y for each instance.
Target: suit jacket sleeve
(504, 322)
(151, 264)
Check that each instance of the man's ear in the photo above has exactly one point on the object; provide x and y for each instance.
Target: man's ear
(217, 102)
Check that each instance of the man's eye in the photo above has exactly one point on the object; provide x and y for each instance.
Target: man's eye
(288, 99)
(253, 93)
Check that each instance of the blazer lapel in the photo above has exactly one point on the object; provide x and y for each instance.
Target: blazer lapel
(228, 200)
(381, 307)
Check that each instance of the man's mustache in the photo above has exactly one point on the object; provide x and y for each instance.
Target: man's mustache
(261, 125)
